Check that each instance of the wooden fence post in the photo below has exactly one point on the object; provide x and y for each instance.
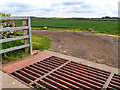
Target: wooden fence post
(25, 32)
(13, 23)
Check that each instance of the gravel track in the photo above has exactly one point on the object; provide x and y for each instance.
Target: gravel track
(88, 46)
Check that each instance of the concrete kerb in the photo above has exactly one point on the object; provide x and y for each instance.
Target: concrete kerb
(0, 81)
(0, 75)
(85, 62)
(10, 82)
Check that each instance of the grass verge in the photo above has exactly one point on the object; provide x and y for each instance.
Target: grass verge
(40, 42)
(78, 30)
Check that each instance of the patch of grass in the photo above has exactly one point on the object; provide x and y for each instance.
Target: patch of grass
(40, 42)
(10, 44)
(13, 55)
(10, 56)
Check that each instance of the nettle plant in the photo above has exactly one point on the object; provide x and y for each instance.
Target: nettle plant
(6, 24)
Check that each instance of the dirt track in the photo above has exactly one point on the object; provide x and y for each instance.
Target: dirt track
(96, 48)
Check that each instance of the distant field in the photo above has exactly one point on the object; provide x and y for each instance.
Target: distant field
(99, 25)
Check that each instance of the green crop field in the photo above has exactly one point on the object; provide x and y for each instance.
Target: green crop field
(109, 26)
(99, 26)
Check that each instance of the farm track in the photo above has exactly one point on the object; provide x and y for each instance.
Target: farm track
(96, 48)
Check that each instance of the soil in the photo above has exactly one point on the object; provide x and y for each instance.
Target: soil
(88, 46)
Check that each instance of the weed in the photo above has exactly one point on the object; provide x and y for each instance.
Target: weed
(58, 58)
(39, 87)
(89, 66)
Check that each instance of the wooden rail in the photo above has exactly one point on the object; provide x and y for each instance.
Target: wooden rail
(26, 34)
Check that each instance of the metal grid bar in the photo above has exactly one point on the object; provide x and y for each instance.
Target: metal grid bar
(31, 72)
(27, 74)
(39, 65)
(37, 71)
(54, 83)
(71, 79)
(67, 80)
(62, 81)
(88, 72)
(46, 84)
(95, 79)
(47, 65)
(80, 79)
(91, 68)
(27, 80)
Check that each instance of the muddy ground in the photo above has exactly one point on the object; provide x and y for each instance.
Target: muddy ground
(96, 48)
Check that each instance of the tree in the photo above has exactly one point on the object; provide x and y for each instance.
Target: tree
(107, 17)
(5, 23)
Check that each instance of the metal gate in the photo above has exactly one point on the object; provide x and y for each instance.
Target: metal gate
(17, 38)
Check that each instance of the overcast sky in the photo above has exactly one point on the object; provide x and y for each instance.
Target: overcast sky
(60, 8)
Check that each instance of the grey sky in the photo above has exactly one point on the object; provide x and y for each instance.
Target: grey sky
(60, 8)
